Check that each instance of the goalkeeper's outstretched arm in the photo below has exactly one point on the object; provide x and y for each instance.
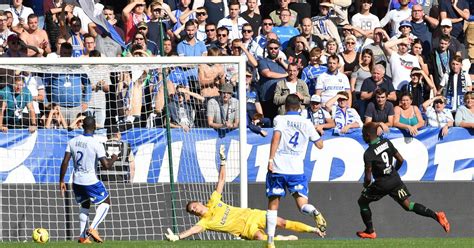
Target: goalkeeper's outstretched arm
(221, 181)
(191, 231)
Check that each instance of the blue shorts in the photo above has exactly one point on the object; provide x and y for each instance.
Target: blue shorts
(96, 193)
(277, 184)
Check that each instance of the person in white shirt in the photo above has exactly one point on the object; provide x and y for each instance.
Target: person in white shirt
(395, 16)
(365, 21)
(438, 115)
(233, 22)
(20, 13)
(345, 117)
(84, 151)
(401, 62)
(332, 81)
(288, 147)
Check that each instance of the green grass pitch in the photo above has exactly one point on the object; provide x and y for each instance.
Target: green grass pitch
(382, 242)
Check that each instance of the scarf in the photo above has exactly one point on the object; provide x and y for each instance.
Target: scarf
(455, 98)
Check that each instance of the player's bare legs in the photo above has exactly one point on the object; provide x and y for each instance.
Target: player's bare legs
(309, 209)
(84, 220)
(101, 212)
(420, 209)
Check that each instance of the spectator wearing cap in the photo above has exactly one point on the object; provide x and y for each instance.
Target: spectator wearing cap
(291, 85)
(440, 58)
(320, 118)
(233, 22)
(285, 30)
(190, 46)
(132, 14)
(395, 16)
(223, 112)
(437, 115)
(455, 84)
(405, 29)
(271, 69)
(423, 27)
(457, 11)
(380, 111)
(345, 117)
(455, 45)
(142, 28)
(401, 62)
(14, 47)
(465, 113)
(419, 87)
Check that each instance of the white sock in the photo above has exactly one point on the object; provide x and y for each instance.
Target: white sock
(308, 209)
(100, 214)
(83, 220)
(272, 216)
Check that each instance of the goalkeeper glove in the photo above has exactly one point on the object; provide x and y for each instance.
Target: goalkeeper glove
(320, 222)
(171, 236)
(222, 155)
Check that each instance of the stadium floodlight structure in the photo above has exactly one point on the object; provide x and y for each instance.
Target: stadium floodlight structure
(171, 166)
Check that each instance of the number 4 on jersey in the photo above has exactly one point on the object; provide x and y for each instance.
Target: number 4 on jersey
(294, 139)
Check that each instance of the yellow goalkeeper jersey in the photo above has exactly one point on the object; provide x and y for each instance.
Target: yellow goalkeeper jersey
(225, 218)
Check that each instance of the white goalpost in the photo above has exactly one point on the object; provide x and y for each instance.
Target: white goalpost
(149, 111)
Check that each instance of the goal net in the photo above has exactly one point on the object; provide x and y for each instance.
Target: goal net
(151, 112)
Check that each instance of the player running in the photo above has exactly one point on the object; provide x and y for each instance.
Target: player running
(378, 159)
(242, 222)
(85, 150)
(286, 167)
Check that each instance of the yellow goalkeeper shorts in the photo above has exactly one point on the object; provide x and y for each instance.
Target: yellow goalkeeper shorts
(255, 223)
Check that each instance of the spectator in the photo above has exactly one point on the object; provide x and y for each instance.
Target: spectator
(405, 29)
(223, 112)
(311, 73)
(361, 72)
(332, 48)
(401, 61)
(20, 15)
(298, 52)
(36, 37)
(4, 33)
(77, 122)
(407, 116)
(211, 34)
(59, 42)
(233, 22)
(238, 49)
(365, 21)
(138, 43)
(381, 111)
(276, 14)
(307, 33)
(36, 87)
(331, 82)
(419, 90)
(455, 84)
(154, 26)
(378, 80)
(271, 70)
(252, 17)
(440, 59)
(104, 43)
(345, 117)
(350, 56)
(255, 118)
(285, 30)
(437, 115)
(263, 52)
(457, 11)
(123, 170)
(377, 49)
(323, 26)
(291, 85)
(9, 16)
(150, 45)
(89, 45)
(55, 119)
(217, 9)
(465, 113)
(190, 46)
(100, 87)
(222, 42)
(168, 48)
(109, 13)
(267, 27)
(13, 101)
(182, 113)
(133, 14)
(247, 40)
(320, 118)
(455, 45)
(417, 50)
(423, 27)
(76, 38)
(211, 76)
(182, 14)
(395, 16)
(14, 47)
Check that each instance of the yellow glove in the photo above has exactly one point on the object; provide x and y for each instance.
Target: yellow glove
(222, 155)
(171, 236)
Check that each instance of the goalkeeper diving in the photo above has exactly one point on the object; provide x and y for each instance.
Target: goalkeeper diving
(245, 223)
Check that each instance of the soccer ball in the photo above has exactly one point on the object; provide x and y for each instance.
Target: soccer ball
(40, 235)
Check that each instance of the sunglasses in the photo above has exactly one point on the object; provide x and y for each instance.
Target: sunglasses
(273, 48)
(210, 30)
(350, 43)
(139, 38)
(157, 10)
(247, 31)
(142, 28)
(221, 35)
(201, 14)
(267, 24)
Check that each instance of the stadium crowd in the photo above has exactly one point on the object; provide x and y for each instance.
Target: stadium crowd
(400, 63)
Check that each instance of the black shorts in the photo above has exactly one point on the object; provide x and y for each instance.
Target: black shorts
(375, 193)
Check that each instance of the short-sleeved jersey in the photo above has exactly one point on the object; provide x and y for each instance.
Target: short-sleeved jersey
(381, 157)
(295, 131)
(85, 151)
(222, 217)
